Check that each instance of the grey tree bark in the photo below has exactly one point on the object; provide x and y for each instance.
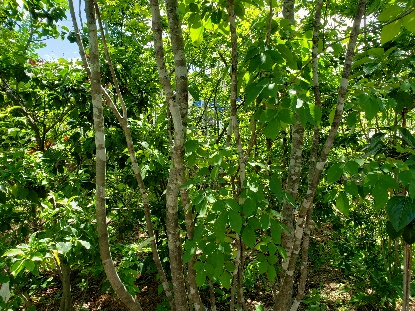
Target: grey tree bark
(178, 106)
(100, 165)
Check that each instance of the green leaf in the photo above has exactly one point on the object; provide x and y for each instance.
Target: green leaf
(263, 267)
(249, 207)
(342, 203)
(264, 220)
(3, 197)
(13, 252)
(316, 113)
(233, 205)
(218, 260)
(275, 186)
(409, 22)
(304, 115)
(85, 244)
(390, 31)
(271, 273)
(351, 188)
(407, 136)
(200, 277)
(272, 129)
(191, 146)
(196, 34)
(334, 172)
(259, 307)
(225, 279)
(248, 236)
(254, 223)
(393, 234)
(286, 116)
(272, 259)
(412, 190)
(371, 108)
(332, 113)
(63, 247)
(282, 252)
(352, 167)
(4, 279)
(390, 12)
(408, 233)
(252, 91)
(216, 16)
(272, 248)
(275, 229)
(17, 267)
(380, 194)
(401, 211)
(19, 192)
(219, 227)
(189, 250)
(235, 221)
(29, 265)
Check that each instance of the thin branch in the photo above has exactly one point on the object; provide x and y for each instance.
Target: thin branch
(111, 67)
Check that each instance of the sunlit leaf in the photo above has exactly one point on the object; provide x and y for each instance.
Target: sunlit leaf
(342, 203)
(390, 31)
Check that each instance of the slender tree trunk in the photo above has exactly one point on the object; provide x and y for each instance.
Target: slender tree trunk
(65, 275)
(234, 127)
(100, 166)
(407, 267)
(178, 106)
(313, 160)
(284, 299)
(123, 120)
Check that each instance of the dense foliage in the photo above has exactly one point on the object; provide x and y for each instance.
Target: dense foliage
(267, 158)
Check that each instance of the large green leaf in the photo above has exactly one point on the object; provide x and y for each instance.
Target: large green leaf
(352, 167)
(407, 136)
(390, 12)
(220, 225)
(13, 253)
(342, 203)
(408, 233)
(390, 31)
(225, 279)
(393, 234)
(401, 211)
(248, 236)
(271, 273)
(275, 231)
(275, 186)
(409, 22)
(196, 34)
(252, 91)
(272, 129)
(334, 172)
(235, 221)
(200, 277)
(371, 108)
(380, 194)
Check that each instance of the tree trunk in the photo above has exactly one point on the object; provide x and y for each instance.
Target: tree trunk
(65, 274)
(100, 166)
(284, 298)
(407, 272)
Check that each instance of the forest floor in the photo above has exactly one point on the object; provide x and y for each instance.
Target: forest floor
(326, 288)
(328, 282)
